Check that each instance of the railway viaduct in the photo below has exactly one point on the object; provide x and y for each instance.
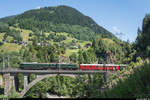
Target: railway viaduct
(9, 76)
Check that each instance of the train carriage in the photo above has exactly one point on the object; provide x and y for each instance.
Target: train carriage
(44, 66)
(52, 66)
(67, 66)
(34, 65)
(101, 66)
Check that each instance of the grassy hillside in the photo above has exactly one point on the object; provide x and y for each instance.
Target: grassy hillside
(1, 36)
(9, 47)
(25, 36)
(69, 45)
(24, 33)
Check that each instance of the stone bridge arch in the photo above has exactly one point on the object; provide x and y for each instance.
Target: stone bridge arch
(31, 84)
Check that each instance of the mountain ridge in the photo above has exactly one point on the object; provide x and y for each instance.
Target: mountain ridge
(47, 16)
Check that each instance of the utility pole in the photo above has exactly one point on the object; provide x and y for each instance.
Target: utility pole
(89, 85)
(59, 64)
(58, 78)
(8, 61)
(41, 38)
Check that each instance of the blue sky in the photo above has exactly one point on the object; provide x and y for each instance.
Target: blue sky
(115, 15)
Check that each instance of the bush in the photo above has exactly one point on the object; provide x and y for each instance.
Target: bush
(73, 57)
(32, 77)
(138, 59)
(148, 51)
(1, 43)
(13, 93)
(20, 82)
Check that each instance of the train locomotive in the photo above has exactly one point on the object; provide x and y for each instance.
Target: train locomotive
(54, 66)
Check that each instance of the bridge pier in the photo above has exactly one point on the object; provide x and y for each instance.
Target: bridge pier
(25, 81)
(12, 78)
(9, 83)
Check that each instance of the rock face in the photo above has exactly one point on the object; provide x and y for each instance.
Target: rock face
(54, 96)
(1, 81)
(9, 83)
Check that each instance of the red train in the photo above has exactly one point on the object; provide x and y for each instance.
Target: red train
(102, 66)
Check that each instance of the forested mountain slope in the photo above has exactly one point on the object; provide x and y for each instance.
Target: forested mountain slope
(143, 40)
(59, 19)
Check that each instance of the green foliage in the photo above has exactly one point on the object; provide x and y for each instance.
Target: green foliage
(35, 53)
(32, 77)
(54, 85)
(3, 96)
(97, 83)
(3, 27)
(138, 59)
(15, 34)
(99, 46)
(80, 57)
(6, 19)
(128, 89)
(131, 65)
(73, 57)
(143, 40)
(81, 87)
(89, 56)
(13, 93)
(112, 51)
(14, 59)
(1, 90)
(1, 43)
(57, 38)
(67, 86)
(148, 51)
(20, 82)
(100, 49)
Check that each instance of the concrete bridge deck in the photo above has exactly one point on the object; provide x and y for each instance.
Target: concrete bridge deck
(14, 71)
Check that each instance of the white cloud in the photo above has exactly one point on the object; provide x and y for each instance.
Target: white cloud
(38, 7)
(115, 29)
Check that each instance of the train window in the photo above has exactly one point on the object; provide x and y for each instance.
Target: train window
(114, 67)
